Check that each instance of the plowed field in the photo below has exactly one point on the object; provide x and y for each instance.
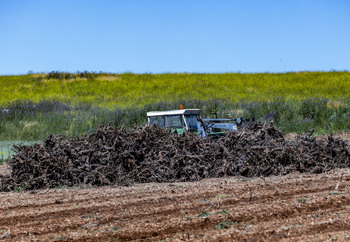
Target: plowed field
(293, 207)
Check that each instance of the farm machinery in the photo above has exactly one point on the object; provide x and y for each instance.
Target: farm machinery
(190, 120)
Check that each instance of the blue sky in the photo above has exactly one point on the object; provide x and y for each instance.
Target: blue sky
(157, 36)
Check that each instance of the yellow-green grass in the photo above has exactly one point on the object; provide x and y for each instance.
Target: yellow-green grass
(125, 90)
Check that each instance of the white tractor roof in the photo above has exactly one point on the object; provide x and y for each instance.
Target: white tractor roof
(173, 112)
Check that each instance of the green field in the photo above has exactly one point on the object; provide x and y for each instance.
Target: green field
(72, 104)
(125, 90)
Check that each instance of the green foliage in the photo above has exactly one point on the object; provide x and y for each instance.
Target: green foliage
(30, 121)
(3, 157)
(333, 193)
(34, 106)
(88, 216)
(69, 76)
(126, 90)
(224, 224)
(203, 214)
(18, 189)
(64, 187)
(115, 227)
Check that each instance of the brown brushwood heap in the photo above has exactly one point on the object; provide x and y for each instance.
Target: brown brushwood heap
(152, 154)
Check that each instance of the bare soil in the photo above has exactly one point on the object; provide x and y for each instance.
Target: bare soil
(292, 207)
(344, 136)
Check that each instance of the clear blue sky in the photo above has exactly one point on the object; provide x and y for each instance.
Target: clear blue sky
(174, 35)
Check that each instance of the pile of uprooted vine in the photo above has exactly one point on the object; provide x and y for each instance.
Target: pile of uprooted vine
(152, 154)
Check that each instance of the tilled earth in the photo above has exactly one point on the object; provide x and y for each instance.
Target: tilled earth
(292, 207)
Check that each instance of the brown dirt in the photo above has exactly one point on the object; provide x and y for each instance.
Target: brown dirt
(4, 169)
(293, 207)
(344, 136)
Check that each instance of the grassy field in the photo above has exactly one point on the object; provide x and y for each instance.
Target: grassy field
(72, 104)
(126, 90)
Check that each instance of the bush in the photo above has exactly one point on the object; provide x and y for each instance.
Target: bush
(28, 120)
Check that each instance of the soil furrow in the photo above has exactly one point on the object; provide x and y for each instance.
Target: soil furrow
(213, 209)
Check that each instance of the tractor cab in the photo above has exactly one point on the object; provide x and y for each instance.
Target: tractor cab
(189, 120)
(178, 120)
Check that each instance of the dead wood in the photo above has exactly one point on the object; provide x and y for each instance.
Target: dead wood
(113, 155)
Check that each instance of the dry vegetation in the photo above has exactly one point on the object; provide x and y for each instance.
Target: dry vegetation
(291, 207)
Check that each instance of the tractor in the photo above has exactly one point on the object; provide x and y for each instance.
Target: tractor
(190, 120)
